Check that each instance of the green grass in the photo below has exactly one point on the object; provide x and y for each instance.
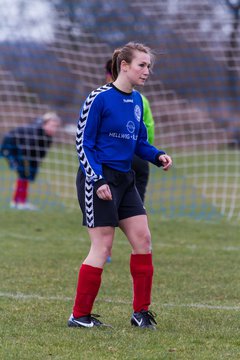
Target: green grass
(196, 291)
(201, 185)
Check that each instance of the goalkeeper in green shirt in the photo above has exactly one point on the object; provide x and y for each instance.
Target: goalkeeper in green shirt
(141, 167)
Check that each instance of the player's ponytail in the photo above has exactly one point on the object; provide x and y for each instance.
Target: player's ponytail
(115, 64)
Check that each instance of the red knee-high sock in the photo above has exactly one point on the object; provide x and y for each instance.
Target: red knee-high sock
(89, 281)
(21, 191)
(141, 268)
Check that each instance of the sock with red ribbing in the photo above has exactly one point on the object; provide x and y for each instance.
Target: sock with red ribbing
(89, 281)
(21, 191)
(141, 268)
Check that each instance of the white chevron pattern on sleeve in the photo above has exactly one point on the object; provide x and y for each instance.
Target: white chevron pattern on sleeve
(80, 131)
(91, 176)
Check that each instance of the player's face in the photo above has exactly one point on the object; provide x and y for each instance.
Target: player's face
(138, 70)
(51, 127)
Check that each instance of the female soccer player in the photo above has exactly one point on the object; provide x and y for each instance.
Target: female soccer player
(110, 130)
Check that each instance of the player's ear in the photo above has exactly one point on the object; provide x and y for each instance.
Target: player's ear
(124, 65)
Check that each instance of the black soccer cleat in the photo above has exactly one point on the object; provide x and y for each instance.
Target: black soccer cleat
(144, 319)
(87, 321)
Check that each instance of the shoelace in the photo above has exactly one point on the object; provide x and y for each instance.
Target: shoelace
(95, 316)
(149, 315)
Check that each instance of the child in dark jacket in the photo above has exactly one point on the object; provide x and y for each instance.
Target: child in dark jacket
(24, 148)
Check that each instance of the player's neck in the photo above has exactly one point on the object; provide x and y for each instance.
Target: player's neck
(123, 85)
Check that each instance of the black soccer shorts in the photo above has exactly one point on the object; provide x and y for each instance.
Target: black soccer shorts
(126, 201)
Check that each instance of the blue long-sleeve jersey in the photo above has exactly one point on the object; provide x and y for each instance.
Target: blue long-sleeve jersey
(110, 130)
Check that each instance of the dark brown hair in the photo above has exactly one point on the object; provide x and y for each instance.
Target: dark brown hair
(127, 53)
(108, 67)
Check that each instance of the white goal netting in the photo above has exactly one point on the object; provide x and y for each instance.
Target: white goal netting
(193, 92)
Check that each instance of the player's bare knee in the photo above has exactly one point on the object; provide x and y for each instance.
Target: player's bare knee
(146, 243)
(143, 243)
(107, 251)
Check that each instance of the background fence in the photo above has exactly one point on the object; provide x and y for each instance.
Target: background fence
(53, 54)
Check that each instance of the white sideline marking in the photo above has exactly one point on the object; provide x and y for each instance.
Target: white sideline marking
(21, 236)
(33, 238)
(20, 296)
(125, 242)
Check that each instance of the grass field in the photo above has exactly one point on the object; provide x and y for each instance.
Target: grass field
(196, 291)
(198, 185)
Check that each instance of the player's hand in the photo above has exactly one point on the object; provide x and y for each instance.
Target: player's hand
(166, 161)
(104, 192)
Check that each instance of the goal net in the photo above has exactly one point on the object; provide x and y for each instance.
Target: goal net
(53, 59)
